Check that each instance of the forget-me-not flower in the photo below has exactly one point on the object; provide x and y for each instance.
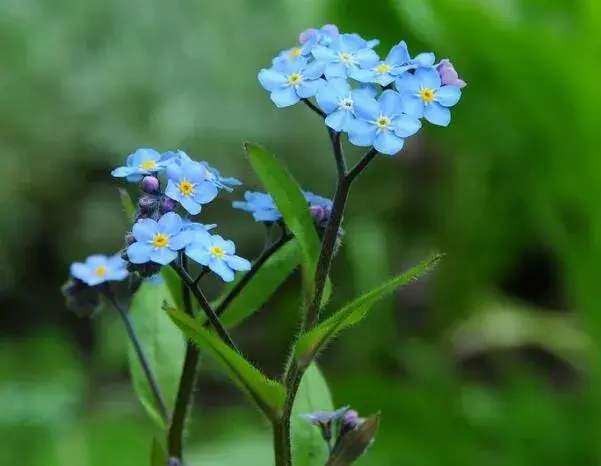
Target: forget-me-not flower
(188, 184)
(292, 80)
(213, 175)
(188, 224)
(424, 96)
(385, 71)
(158, 242)
(381, 123)
(336, 99)
(261, 205)
(321, 36)
(140, 163)
(217, 254)
(344, 56)
(98, 269)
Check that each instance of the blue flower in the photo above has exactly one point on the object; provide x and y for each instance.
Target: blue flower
(381, 123)
(345, 56)
(215, 177)
(98, 269)
(142, 162)
(385, 72)
(158, 242)
(217, 254)
(292, 80)
(325, 417)
(336, 99)
(261, 205)
(321, 36)
(424, 96)
(188, 185)
(188, 224)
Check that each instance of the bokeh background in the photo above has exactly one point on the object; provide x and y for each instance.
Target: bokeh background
(493, 359)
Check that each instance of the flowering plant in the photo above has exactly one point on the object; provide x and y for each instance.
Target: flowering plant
(372, 102)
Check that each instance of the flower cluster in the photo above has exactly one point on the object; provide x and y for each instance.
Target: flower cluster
(377, 102)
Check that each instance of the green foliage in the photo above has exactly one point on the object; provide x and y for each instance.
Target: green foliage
(162, 343)
(267, 394)
(308, 446)
(354, 444)
(158, 455)
(129, 209)
(312, 342)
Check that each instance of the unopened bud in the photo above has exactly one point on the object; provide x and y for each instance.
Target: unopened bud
(150, 184)
(129, 239)
(82, 299)
(146, 204)
(168, 205)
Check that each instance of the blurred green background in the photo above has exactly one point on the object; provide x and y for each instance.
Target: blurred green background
(493, 359)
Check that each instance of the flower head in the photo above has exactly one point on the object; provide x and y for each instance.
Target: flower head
(325, 420)
(188, 184)
(425, 96)
(384, 72)
(142, 162)
(212, 175)
(217, 254)
(382, 123)
(337, 99)
(292, 80)
(345, 56)
(99, 269)
(448, 74)
(261, 205)
(158, 242)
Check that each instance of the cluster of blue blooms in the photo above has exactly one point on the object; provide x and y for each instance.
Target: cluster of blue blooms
(377, 102)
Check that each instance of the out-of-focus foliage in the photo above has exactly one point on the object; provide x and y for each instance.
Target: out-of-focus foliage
(509, 192)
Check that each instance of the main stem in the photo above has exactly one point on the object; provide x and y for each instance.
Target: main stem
(175, 436)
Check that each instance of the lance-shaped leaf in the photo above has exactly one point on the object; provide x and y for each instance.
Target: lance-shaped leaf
(354, 444)
(293, 206)
(174, 285)
(162, 343)
(158, 455)
(128, 206)
(267, 394)
(308, 446)
(313, 341)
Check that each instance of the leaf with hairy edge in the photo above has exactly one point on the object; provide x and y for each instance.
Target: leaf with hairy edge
(309, 344)
(267, 394)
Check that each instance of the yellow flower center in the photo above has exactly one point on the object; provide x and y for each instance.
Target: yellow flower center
(427, 95)
(101, 271)
(216, 251)
(295, 52)
(148, 165)
(383, 68)
(345, 57)
(383, 122)
(186, 188)
(294, 79)
(160, 240)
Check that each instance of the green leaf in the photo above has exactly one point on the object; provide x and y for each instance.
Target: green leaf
(313, 341)
(162, 343)
(263, 284)
(158, 455)
(174, 285)
(354, 444)
(128, 206)
(267, 394)
(308, 446)
(291, 203)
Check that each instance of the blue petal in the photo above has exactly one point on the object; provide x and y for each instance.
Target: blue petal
(398, 55)
(115, 262)
(80, 271)
(428, 77)
(335, 70)
(327, 99)
(227, 245)
(367, 90)
(366, 58)
(122, 172)
(189, 205)
(284, 97)
(163, 256)
(323, 53)
(267, 215)
(364, 76)
(174, 172)
(172, 191)
(388, 143)
(271, 79)
(390, 102)
(116, 275)
(366, 108)
(139, 253)
(437, 114)
(407, 83)
(202, 238)
(198, 253)
(145, 229)
(96, 260)
(339, 120)
(237, 263)
(383, 79)
(361, 133)
(170, 224)
(193, 171)
(448, 96)
(314, 70)
(405, 126)
(413, 106)
(220, 268)
(205, 192)
(242, 206)
(309, 88)
(424, 59)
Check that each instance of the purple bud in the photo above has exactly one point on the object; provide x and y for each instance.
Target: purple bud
(448, 74)
(168, 205)
(174, 462)
(146, 203)
(307, 35)
(318, 213)
(129, 239)
(150, 184)
(350, 420)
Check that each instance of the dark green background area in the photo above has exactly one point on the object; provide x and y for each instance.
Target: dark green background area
(493, 359)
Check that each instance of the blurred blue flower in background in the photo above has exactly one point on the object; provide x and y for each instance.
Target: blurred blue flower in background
(98, 269)
(261, 205)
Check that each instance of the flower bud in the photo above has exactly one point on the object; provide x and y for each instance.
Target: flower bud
(129, 239)
(167, 205)
(150, 184)
(82, 299)
(307, 35)
(448, 74)
(146, 204)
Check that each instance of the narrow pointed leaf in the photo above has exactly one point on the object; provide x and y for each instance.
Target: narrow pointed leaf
(267, 394)
(158, 455)
(174, 285)
(308, 446)
(128, 206)
(355, 443)
(313, 341)
(162, 343)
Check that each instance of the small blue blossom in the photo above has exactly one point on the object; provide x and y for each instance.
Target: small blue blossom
(382, 123)
(188, 185)
(98, 269)
(217, 254)
(188, 224)
(336, 99)
(142, 162)
(386, 71)
(424, 96)
(261, 205)
(158, 242)
(325, 420)
(359, 42)
(321, 36)
(345, 56)
(292, 80)
(213, 175)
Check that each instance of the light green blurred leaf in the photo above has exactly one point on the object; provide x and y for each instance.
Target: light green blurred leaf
(244, 447)
(354, 444)
(162, 342)
(308, 446)
(128, 206)
(158, 455)
(174, 285)
(313, 341)
(267, 394)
